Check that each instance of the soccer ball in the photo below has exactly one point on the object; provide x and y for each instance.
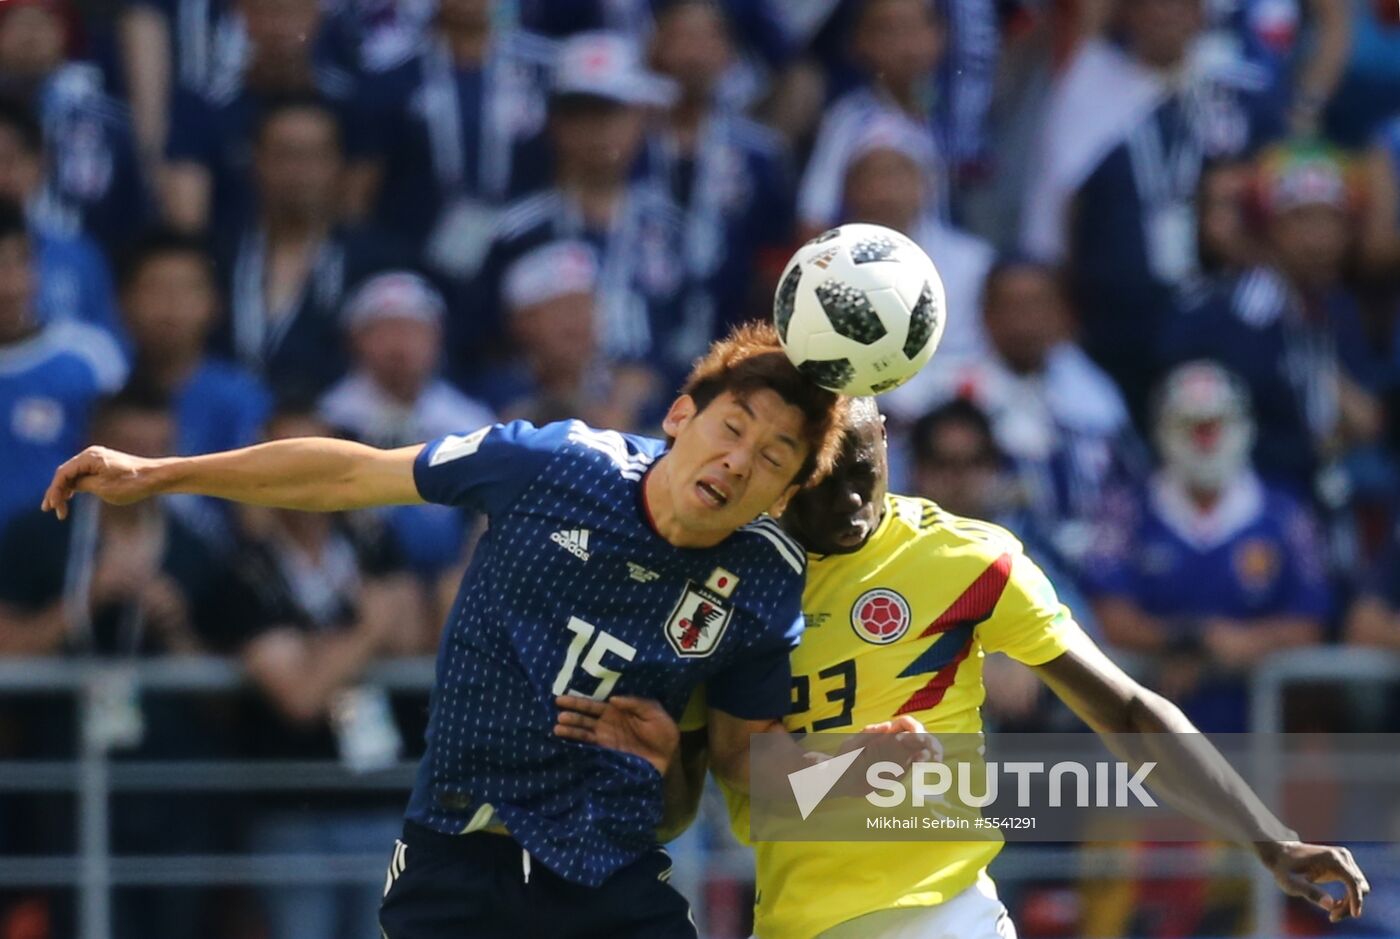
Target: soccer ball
(860, 309)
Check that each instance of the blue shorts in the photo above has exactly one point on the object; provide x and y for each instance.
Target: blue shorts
(485, 886)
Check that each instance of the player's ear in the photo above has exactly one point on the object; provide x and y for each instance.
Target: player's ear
(681, 412)
(778, 508)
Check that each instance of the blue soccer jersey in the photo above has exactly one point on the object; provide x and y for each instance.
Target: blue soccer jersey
(1257, 554)
(571, 590)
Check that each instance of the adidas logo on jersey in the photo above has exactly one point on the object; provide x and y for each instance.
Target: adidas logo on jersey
(574, 541)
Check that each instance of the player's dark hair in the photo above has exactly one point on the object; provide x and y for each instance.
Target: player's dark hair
(958, 411)
(1012, 262)
(667, 7)
(13, 223)
(160, 243)
(289, 104)
(751, 358)
(297, 405)
(19, 118)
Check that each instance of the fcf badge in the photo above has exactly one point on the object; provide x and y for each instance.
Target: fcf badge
(697, 622)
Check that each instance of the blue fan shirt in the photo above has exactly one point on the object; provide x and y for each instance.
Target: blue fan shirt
(572, 590)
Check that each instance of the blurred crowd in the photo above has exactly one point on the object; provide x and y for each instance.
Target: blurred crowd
(1169, 231)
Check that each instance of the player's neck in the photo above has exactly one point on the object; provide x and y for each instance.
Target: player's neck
(1205, 500)
(661, 512)
(467, 43)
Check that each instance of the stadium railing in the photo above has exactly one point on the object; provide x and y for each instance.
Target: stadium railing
(93, 777)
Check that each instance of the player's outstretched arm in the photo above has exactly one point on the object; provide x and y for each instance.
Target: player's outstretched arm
(317, 474)
(1190, 774)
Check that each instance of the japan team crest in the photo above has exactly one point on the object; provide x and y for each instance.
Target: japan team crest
(697, 622)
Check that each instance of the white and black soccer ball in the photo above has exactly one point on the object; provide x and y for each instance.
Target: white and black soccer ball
(860, 309)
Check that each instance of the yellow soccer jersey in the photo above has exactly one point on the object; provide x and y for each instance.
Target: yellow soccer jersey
(901, 627)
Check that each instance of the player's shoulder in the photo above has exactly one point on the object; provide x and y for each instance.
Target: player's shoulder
(628, 455)
(766, 535)
(954, 532)
(89, 350)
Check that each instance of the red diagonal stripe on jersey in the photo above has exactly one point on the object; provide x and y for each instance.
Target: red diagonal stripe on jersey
(974, 605)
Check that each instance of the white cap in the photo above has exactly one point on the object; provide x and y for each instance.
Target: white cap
(896, 133)
(557, 269)
(609, 65)
(394, 295)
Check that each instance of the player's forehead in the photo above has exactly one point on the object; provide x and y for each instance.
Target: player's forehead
(772, 416)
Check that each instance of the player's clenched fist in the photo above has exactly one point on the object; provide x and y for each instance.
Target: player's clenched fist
(112, 476)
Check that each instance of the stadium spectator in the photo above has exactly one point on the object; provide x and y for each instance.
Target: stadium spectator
(1291, 329)
(597, 124)
(50, 375)
(459, 129)
(288, 52)
(959, 464)
(898, 44)
(1132, 176)
(1369, 88)
(169, 44)
(887, 183)
(317, 599)
(1059, 419)
(93, 182)
(1225, 208)
(287, 271)
(394, 396)
(728, 174)
(73, 281)
(1374, 617)
(1211, 569)
(550, 296)
(1297, 48)
(124, 580)
(170, 304)
(1380, 210)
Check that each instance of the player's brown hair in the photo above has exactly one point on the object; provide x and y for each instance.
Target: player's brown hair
(751, 358)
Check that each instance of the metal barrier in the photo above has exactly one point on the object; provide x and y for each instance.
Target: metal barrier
(93, 777)
(1268, 684)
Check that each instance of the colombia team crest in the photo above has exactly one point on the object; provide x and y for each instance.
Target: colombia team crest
(880, 616)
(697, 622)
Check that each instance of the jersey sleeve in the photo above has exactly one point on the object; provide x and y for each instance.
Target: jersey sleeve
(759, 685)
(1029, 623)
(488, 469)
